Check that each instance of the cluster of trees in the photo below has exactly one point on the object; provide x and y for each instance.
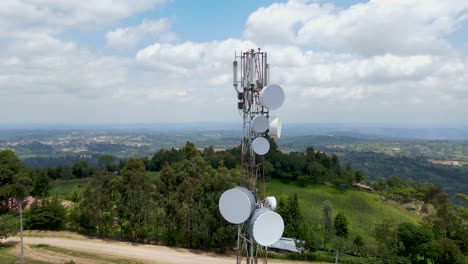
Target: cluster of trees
(418, 243)
(12, 181)
(311, 167)
(179, 208)
(18, 181)
(443, 235)
(82, 168)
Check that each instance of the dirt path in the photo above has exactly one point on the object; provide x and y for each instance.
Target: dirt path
(137, 252)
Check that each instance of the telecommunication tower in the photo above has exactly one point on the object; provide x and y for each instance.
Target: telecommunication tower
(247, 205)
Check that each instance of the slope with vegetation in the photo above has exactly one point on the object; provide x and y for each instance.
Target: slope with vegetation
(178, 205)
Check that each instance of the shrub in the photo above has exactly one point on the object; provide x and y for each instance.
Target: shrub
(50, 215)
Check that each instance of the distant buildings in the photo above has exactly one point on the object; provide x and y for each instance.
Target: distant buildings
(363, 187)
(446, 162)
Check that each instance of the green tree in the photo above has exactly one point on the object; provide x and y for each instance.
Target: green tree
(413, 238)
(98, 205)
(67, 172)
(292, 216)
(188, 193)
(46, 215)
(40, 184)
(106, 161)
(190, 151)
(359, 243)
(81, 169)
(341, 231)
(449, 252)
(9, 226)
(386, 235)
(135, 203)
(395, 181)
(327, 214)
(358, 176)
(10, 166)
(15, 182)
(341, 225)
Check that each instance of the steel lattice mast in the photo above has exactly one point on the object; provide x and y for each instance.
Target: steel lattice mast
(247, 205)
(254, 73)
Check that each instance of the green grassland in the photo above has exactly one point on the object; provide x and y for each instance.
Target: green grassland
(364, 210)
(65, 188)
(7, 256)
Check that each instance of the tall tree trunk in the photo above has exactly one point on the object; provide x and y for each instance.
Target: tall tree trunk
(337, 253)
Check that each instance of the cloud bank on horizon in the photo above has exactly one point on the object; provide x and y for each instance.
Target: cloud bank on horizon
(399, 61)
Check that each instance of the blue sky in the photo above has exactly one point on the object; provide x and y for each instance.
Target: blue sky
(146, 61)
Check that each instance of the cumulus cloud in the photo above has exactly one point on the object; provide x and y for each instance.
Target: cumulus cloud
(67, 13)
(129, 37)
(312, 78)
(201, 70)
(42, 64)
(377, 61)
(376, 27)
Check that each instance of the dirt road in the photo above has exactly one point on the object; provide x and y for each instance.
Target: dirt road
(136, 252)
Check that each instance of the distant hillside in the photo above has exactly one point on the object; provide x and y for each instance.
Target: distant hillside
(378, 166)
(364, 210)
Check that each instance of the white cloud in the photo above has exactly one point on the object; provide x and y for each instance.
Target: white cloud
(70, 13)
(129, 37)
(406, 71)
(401, 27)
(39, 63)
(313, 78)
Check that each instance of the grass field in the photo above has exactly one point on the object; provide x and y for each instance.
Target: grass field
(364, 210)
(7, 256)
(65, 188)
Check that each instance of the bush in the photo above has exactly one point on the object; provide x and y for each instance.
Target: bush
(50, 215)
(8, 226)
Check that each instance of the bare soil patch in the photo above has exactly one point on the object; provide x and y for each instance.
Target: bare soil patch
(139, 253)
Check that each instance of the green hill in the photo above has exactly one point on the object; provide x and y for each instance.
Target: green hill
(364, 210)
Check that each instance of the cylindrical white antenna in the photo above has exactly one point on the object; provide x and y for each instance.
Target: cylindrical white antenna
(234, 73)
(267, 75)
(251, 70)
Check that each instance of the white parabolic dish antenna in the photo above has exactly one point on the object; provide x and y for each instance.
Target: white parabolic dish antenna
(275, 127)
(266, 227)
(236, 205)
(260, 123)
(261, 146)
(272, 96)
